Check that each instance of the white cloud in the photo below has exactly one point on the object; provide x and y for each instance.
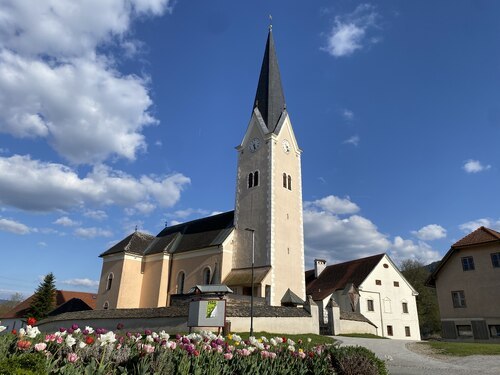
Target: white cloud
(66, 222)
(475, 166)
(82, 282)
(430, 232)
(334, 205)
(354, 140)
(33, 185)
(348, 114)
(472, 225)
(96, 214)
(42, 244)
(182, 214)
(328, 236)
(93, 232)
(349, 31)
(49, 57)
(12, 226)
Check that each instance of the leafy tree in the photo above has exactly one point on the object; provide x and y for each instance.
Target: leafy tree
(428, 310)
(44, 298)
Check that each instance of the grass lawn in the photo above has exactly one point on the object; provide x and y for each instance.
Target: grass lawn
(461, 349)
(364, 335)
(315, 339)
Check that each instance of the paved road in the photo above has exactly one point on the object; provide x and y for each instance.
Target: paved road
(402, 361)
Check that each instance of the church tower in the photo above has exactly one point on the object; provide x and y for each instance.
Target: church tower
(269, 192)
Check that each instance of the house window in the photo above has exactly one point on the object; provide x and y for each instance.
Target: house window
(405, 307)
(458, 298)
(464, 330)
(467, 263)
(378, 282)
(407, 331)
(369, 305)
(389, 331)
(110, 281)
(494, 330)
(180, 282)
(206, 276)
(284, 180)
(396, 283)
(289, 182)
(495, 260)
(106, 305)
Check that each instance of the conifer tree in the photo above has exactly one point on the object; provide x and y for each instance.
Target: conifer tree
(44, 298)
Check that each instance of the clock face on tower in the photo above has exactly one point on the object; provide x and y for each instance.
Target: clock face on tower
(254, 144)
(286, 146)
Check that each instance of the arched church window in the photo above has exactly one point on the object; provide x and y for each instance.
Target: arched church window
(289, 182)
(206, 276)
(256, 178)
(106, 305)
(250, 180)
(180, 282)
(284, 180)
(110, 281)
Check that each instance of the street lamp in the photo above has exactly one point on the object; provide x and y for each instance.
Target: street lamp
(251, 295)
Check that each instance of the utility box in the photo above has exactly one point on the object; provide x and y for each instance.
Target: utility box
(207, 313)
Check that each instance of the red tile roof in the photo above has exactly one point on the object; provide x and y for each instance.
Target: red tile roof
(62, 296)
(336, 276)
(479, 236)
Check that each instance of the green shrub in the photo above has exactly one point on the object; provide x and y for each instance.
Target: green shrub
(356, 360)
(23, 364)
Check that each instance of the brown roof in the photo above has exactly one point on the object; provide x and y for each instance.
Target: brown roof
(62, 296)
(336, 276)
(134, 243)
(481, 235)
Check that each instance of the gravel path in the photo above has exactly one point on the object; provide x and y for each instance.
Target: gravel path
(413, 358)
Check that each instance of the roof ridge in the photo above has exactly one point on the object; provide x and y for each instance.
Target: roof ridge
(195, 220)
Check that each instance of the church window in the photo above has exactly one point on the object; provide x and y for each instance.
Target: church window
(256, 178)
(250, 180)
(289, 182)
(284, 180)
(206, 276)
(180, 282)
(110, 281)
(106, 305)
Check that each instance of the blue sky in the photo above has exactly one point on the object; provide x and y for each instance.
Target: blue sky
(126, 112)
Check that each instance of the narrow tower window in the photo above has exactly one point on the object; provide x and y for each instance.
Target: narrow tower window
(110, 281)
(256, 178)
(106, 305)
(289, 182)
(206, 276)
(250, 180)
(284, 180)
(180, 282)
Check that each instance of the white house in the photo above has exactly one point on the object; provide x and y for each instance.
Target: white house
(372, 288)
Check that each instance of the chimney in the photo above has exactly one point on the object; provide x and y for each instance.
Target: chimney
(319, 266)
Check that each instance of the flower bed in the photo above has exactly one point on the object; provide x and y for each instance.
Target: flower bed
(87, 351)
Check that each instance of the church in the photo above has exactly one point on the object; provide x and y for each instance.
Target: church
(262, 238)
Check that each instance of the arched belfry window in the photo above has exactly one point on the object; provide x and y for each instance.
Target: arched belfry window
(180, 282)
(284, 180)
(206, 276)
(289, 182)
(110, 281)
(253, 179)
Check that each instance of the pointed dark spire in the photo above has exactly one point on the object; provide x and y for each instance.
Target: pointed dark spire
(269, 98)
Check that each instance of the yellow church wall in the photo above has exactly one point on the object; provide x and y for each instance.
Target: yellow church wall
(131, 283)
(192, 264)
(288, 249)
(155, 280)
(110, 296)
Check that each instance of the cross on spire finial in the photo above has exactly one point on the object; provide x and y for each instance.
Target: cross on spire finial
(270, 22)
(136, 227)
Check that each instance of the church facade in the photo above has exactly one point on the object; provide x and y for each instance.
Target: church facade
(264, 230)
